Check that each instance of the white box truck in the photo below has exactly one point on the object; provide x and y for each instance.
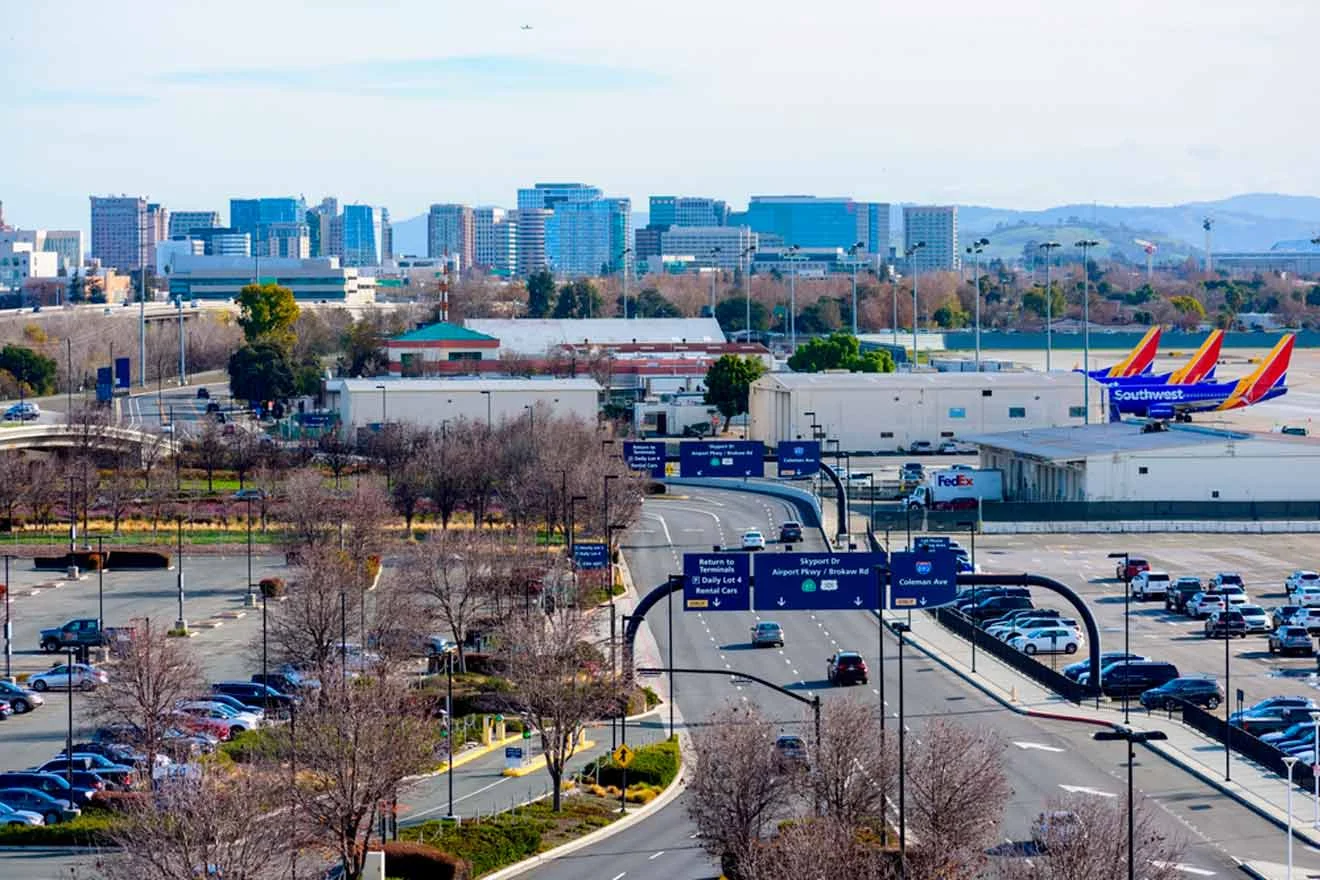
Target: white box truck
(957, 489)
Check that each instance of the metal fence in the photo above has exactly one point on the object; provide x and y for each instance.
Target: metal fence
(1098, 511)
(1245, 744)
(1029, 666)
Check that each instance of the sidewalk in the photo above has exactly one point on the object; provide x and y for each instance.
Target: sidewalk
(1262, 791)
(1271, 871)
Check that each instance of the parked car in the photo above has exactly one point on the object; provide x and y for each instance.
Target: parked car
(1047, 640)
(262, 696)
(997, 606)
(232, 703)
(86, 783)
(1307, 595)
(790, 532)
(49, 783)
(237, 721)
(203, 394)
(1055, 827)
(752, 539)
(1203, 692)
(1273, 704)
(1184, 588)
(52, 810)
(197, 722)
(288, 681)
(1203, 604)
(114, 776)
(115, 753)
(249, 493)
(83, 632)
(792, 749)
(1235, 594)
(1292, 731)
(1079, 670)
(971, 597)
(1025, 625)
(1261, 723)
(1225, 625)
(1281, 615)
(1128, 678)
(922, 447)
(11, 817)
(20, 699)
(1301, 578)
(1291, 640)
(85, 677)
(1127, 569)
(1150, 584)
(1006, 629)
(954, 447)
(846, 667)
(25, 411)
(1257, 620)
(1227, 579)
(1309, 618)
(767, 634)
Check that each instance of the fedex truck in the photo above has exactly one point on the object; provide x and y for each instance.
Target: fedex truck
(957, 489)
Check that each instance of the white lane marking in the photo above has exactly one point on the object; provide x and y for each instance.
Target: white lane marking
(1186, 869)
(1041, 746)
(620, 874)
(458, 799)
(1082, 789)
(656, 856)
(664, 525)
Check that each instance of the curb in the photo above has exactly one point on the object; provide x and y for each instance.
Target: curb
(538, 763)
(1235, 793)
(674, 789)
(465, 757)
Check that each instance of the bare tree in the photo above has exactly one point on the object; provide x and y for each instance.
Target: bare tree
(408, 490)
(44, 488)
(310, 513)
(117, 493)
(559, 681)
(209, 451)
(308, 627)
(152, 674)
(445, 487)
(854, 767)
(1094, 846)
(822, 847)
(737, 788)
(243, 453)
(335, 453)
(356, 748)
(223, 821)
(14, 472)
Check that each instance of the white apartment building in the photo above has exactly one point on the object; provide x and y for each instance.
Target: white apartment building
(19, 261)
(937, 226)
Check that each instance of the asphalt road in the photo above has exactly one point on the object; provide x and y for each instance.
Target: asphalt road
(1044, 759)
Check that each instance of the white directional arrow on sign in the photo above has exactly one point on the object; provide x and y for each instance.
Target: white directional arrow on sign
(781, 603)
(1082, 789)
(715, 602)
(858, 601)
(1039, 746)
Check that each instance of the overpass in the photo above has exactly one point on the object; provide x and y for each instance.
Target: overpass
(104, 438)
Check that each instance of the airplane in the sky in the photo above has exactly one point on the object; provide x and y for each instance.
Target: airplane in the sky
(1199, 368)
(1160, 400)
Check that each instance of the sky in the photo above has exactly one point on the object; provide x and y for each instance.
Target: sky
(1017, 104)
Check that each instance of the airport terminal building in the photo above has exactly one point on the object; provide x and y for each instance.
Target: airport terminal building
(888, 412)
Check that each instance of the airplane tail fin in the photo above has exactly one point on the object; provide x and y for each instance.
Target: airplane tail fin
(1202, 364)
(1272, 373)
(1139, 360)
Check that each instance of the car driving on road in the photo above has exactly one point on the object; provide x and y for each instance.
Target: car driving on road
(790, 532)
(752, 539)
(846, 667)
(767, 634)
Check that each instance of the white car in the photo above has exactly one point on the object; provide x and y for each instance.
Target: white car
(11, 818)
(1237, 595)
(1257, 620)
(752, 539)
(1306, 595)
(85, 677)
(238, 721)
(1202, 604)
(1005, 632)
(954, 447)
(1226, 579)
(1301, 578)
(1150, 585)
(1047, 640)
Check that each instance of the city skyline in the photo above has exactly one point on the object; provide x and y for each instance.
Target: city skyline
(1079, 106)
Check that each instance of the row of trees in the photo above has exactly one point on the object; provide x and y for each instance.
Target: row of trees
(834, 814)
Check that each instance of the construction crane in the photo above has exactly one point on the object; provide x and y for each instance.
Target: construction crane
(1150, 248)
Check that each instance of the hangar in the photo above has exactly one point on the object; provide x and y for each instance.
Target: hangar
(1152, 461)
(888, 412)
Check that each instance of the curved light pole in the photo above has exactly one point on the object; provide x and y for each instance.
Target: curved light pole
(1086, 244)
(910, 253)
(852, 252)
(1049, 306)
(975, 249)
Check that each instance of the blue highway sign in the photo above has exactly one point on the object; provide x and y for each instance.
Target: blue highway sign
(817, 581)
(716, 582)
(922, 578)
(722, 458)
(799, 458)
(648, 457)
(590, 555)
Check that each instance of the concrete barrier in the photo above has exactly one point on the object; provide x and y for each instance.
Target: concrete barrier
(1221, 527)
(805, 501)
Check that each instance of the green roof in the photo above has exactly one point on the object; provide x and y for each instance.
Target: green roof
(443, 333)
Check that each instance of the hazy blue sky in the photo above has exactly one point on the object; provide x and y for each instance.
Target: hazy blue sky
(1017, 103)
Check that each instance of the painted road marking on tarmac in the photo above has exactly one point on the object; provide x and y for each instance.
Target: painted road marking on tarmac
(1186, 869)
(1032, 745)
(1082, 789)
(656, 856)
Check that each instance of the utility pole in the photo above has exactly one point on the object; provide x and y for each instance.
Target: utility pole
(1049, 305)
(183, 357)
(910, 253)
(1086, 244)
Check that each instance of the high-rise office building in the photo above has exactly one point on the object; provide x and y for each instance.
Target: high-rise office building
(386, 237)
(577, 238)
(669, 211)
(158, 229)
(184, 222)
(223, 241)
(361, 239)
(290, 240)
(451, 231)
(723, 247)
(814, 222)
(504, 233)
(484, 220)
(253, 215)
(937, 226)
(876, 235)
(119, 232)
(320, 238)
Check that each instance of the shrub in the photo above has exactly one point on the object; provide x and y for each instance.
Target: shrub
(642, 795)
(273, 587)
(483, 664)
(655, 764)
(92, 828)
(485, 846)
(407, 860)
(118, 801)
(136, 560)
(267, 743)
(652, 698)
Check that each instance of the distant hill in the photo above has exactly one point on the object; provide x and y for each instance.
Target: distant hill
(1250, 222)
(1009, 243)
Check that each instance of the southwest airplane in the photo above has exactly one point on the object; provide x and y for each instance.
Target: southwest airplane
(1199, 368)
(1158, 400)
(1137, 362)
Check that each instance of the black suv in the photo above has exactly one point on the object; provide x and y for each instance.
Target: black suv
(1179, 592)
(846, 667)
(252, 694)
(1131, 678)
(1203, 692)
(790, 533)
(288, 682)
(998, 607)
(1225, 625)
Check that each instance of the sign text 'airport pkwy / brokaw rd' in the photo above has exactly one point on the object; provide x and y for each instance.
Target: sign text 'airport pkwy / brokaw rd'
(716, 582)
(817, 581)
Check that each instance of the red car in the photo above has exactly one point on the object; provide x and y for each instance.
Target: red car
(1133, 567)
(217, 727)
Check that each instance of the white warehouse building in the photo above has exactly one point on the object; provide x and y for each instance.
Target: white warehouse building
(430, 402)
(887, 412)
(1129, 461)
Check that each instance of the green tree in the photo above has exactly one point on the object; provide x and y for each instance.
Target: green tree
(1188, 305)
(267, 311)
(727, 384)
(540, 294)
(578, 299)
(364, 349)
(1313, 296)
(823, 316)
(950, 314)
(77, 289)
(34, 371)
(732, 315)
(261, 372)
(1034, 301)
(650, 303)
(839, 351)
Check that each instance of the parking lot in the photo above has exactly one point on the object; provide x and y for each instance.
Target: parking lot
(1081, 562)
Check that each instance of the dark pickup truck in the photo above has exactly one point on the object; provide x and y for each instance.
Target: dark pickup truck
(85, 632)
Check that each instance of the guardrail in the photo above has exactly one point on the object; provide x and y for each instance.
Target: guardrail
(1029, 666)
(1245, 744)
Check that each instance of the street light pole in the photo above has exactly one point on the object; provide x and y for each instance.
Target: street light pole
(181, 624)
(1086, 244)
(251, 597)
(747, 289)
(449, 720)
(975, 250)
(1127, 617)
(1132, 737)
(1290, 761)
(1049, 304)
(488, 415)
(910, 253)
(9, 629)
(624, 258)
(901, 628)
(852, 252)
(100, 583)
(714, 274)
(792, 300)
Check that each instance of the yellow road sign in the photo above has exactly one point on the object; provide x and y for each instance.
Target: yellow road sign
(623, 756)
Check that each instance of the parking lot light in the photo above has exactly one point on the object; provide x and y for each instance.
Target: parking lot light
(1127, 619)
(902, 629)
(1132, 737)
